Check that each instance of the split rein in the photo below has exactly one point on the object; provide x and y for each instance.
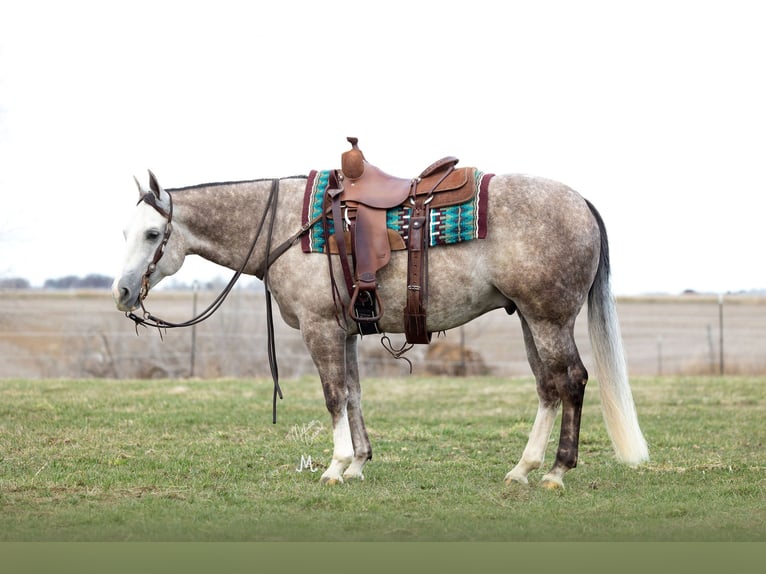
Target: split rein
(150, 320)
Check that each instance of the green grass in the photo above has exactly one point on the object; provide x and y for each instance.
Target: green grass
(101, 460)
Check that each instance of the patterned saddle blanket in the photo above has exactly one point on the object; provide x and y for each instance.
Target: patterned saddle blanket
(447, 225)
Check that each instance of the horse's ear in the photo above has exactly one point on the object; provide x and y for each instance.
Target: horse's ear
(162, 196)
(155, 186)
(141, 189)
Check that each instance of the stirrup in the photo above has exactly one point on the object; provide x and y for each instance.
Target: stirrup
(366, 310)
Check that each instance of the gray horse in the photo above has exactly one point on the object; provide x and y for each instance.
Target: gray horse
(545, 253)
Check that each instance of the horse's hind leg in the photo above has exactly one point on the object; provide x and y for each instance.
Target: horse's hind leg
(534, 452)
(561, 379)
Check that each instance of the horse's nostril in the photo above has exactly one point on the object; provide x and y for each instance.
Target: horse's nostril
(124, 294)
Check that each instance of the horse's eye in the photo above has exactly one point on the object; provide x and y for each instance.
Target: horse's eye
(152, 235)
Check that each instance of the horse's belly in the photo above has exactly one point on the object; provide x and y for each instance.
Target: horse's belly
(459, 288)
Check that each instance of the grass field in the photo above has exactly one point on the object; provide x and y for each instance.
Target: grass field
(192, 460)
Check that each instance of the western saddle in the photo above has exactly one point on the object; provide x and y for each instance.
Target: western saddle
(358, 206)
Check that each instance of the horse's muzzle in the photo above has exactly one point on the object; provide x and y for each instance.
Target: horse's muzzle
(125, 296)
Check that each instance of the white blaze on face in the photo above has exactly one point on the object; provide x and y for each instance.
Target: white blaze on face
(143, 235)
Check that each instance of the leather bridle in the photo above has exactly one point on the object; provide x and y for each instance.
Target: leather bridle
(149, 320)
(150, 199)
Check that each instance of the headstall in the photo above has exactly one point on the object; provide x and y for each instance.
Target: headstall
(149, 320)
(150, 199)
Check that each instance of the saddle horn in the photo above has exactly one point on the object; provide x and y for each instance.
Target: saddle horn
(352, 161)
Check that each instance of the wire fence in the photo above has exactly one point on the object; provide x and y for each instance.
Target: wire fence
(76, 334)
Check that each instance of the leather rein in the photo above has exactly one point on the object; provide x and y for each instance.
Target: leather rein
(150, 320)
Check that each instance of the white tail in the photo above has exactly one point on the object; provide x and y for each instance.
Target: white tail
(611, 369)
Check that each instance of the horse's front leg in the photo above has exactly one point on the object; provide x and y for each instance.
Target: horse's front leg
(357, 428)
(335, 358)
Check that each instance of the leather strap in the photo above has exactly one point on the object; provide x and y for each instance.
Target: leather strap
(340, 239)
(415, 327)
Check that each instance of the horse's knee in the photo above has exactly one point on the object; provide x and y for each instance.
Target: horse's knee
(335, 399)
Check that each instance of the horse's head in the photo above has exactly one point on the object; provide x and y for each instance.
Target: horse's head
(152, 251)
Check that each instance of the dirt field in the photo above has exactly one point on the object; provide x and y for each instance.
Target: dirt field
(80, 334)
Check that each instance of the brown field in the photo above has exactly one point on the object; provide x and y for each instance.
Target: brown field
(80, 334)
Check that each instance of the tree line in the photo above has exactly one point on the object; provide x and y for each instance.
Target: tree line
(92, 281)
(96, 281)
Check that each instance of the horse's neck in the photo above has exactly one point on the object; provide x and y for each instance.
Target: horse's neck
(221, 220)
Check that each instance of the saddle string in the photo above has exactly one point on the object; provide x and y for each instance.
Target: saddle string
(399, 353)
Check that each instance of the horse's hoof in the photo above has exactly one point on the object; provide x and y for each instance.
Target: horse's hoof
(353, 477)
(521, 480)
(552, 483)
(331, 481)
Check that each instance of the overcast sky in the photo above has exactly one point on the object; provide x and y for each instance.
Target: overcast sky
(653, 110)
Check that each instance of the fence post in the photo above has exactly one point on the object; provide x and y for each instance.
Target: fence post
(720, 333)
(195, 289)
(659, 356)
